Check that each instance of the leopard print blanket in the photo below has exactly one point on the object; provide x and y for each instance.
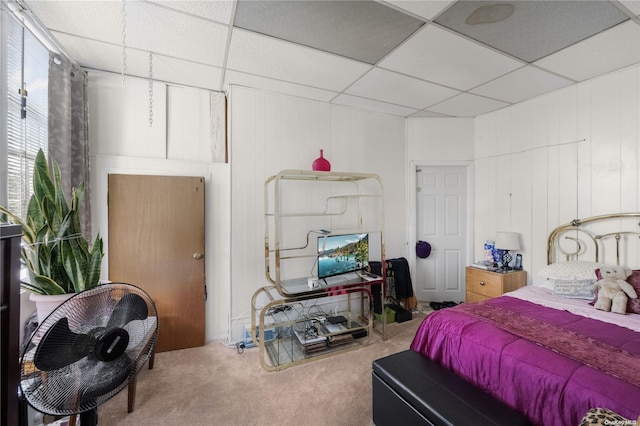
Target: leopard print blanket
(604, 417)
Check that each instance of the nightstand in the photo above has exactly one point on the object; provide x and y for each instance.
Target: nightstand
(483, 285)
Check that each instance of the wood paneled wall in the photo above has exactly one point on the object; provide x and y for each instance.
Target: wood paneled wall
(570, 154)
(186, 139)
(271, 132)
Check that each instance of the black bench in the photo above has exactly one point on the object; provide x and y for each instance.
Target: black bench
(410, 389)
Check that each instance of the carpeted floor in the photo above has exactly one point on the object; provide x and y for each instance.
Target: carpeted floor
(214, 385)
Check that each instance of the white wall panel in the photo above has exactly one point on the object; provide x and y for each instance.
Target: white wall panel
(539, 120)
(521, 199)
(189, 124)
(440, 139)
(521, 127)
(216, 217)
(580, 159)
(119, 116)
(553, 190)
(271, 132)
(503, 131)
(629, 141)
(121, 141)
(536, 245)
(605, 144)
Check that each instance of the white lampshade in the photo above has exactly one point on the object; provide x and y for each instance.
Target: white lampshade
(507, 241)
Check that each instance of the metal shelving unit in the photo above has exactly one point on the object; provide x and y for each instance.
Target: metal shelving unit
(301, 207)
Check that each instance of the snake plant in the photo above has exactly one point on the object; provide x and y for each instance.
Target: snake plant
(59, 259)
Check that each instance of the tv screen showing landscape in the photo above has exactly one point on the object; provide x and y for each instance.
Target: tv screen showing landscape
(339, 254)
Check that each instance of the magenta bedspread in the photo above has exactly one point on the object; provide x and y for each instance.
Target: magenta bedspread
(547, 386)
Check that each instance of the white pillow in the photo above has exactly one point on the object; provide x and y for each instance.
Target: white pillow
(575, 289)
(577, 270)
(544, 283)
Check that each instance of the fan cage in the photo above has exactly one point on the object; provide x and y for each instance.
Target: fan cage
(87, 383)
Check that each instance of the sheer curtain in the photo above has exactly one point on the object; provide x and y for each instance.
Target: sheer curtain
(68, 129)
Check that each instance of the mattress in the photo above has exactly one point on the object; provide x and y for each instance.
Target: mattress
(550, 358)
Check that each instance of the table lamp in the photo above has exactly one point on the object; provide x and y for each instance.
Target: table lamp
(507, 241)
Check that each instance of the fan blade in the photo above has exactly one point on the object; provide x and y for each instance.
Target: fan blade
(60, 347)
(130, 307)
(105, 377)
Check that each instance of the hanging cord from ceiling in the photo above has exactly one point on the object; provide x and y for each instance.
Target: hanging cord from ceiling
(150, 89)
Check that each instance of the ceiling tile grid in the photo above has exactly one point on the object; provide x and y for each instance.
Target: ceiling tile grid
(467, 105)
(373, 105)
(281, 60)
(437, 55)
(279, 86)
(522, 84)
(108, 57)
(158, 29)
(218, 10)
(387, 86)
(424, 9)
(614, 49)
(439, 58)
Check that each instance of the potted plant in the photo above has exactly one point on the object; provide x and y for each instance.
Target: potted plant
(59, 259)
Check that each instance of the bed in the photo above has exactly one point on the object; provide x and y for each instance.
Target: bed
(542, 350)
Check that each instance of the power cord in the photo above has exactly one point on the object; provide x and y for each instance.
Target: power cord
(278, 308)
(240, 346)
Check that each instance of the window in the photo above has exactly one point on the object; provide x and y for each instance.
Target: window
(27, 67)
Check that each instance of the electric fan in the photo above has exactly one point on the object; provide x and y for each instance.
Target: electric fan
(88, 349)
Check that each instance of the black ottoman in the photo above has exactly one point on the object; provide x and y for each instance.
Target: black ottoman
(410, 389)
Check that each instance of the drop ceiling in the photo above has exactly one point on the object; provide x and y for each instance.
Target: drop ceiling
(409, 58)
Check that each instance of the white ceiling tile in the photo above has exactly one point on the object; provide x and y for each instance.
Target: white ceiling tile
(218, 10)
(425, 9)
(175, 34)
(260, 55)
(178, 71)
(148, 27)
(387, 86)
(101, 56)
(467, 105)
(278, 86)
(440, 56)
(372, 105)
(632, 5)
(608, 51)
(107, 57)
(522, 84)
(190, 45)
(100, 20)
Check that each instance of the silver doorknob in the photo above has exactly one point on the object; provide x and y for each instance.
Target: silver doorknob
(197, 256)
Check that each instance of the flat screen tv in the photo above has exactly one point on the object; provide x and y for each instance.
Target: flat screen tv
(339, 254)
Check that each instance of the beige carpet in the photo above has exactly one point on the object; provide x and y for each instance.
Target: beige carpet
(214, 385)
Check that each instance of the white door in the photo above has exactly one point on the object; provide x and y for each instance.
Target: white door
(441, 215)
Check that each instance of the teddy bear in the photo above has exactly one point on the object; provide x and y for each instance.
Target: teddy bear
(613, 290)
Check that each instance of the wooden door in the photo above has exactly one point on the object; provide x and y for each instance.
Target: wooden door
(156, 242)
(442, 214)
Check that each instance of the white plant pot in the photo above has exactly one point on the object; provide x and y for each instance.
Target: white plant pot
(45, 304)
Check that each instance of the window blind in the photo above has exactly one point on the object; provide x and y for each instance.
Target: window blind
(27, 68)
